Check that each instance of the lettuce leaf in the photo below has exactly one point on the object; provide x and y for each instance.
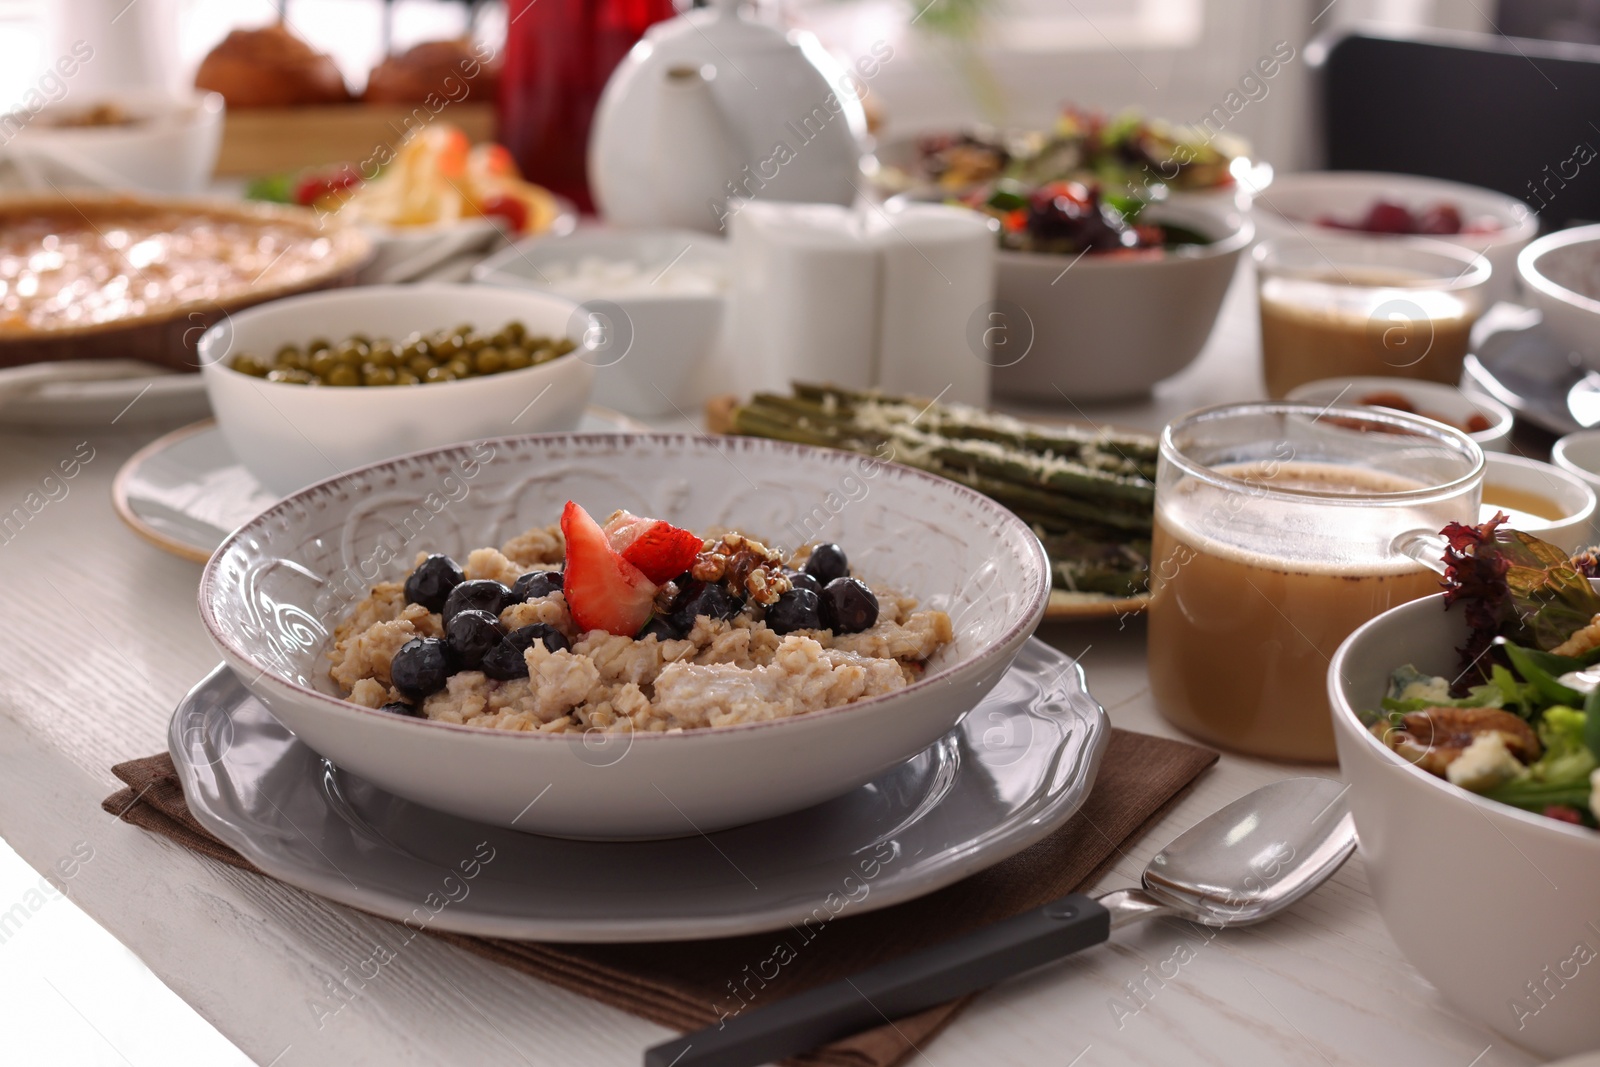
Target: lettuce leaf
(1561, 775)
(1511, 584)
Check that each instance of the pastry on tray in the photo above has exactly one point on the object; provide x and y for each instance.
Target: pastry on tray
(270, 67)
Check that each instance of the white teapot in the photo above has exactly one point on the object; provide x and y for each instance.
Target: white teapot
(714, 107)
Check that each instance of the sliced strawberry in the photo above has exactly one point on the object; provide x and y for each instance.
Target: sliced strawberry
(603, 591)
(659, 549)
(623, 527)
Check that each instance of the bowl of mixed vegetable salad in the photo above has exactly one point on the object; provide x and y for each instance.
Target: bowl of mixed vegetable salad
(1468, 729)
(1099, 305)
(1125, 153)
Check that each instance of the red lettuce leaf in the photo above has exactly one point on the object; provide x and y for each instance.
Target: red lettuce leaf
(1511, 584)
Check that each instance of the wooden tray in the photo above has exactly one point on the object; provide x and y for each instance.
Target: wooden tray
(270, 139)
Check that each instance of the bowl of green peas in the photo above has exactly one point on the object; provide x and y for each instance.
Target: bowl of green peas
(308, 387)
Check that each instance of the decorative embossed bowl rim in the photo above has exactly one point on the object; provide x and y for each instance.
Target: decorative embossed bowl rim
(1035, 587)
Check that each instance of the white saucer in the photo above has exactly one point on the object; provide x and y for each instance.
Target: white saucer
(125, 402)
(185, 492)
(1019, 765)
(1515, 361)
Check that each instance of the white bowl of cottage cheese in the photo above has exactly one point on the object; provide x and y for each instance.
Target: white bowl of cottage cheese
(642, 705)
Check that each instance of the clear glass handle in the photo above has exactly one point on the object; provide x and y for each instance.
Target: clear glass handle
(1424, 546)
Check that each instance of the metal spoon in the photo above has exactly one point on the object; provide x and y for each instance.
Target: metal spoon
(1240, 865)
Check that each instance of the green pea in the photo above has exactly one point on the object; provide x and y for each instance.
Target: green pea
(517, 358)
(344, 374)
(289, 376)
(372, 374)
(317, 344)
(403, 376)
(489, 360)
(438, 374)
(421, 365)
(322, 362)
(459, 368)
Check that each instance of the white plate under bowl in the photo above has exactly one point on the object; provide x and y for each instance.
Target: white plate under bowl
(123, 403)
(185, 492)
(1013, 772)
(273, 594)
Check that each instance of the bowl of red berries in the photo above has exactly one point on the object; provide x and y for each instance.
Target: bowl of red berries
(1385, 207)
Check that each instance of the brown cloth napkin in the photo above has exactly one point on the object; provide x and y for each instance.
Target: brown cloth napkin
(687, 985)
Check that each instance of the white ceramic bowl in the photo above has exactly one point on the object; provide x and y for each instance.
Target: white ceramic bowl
(669, 333)
(1295, 201)
(1428, 398)
(172, 148)
(1579, 454)
(289, 436)
(1108, 327)
(1570, 494)
(273, 593)
(1482, 898)
(1561, 273)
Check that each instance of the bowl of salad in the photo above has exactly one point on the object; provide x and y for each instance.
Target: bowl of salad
(1104, 295)
(1126, 152)
(1468, 728)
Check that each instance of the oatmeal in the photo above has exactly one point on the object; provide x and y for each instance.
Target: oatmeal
(637, 625)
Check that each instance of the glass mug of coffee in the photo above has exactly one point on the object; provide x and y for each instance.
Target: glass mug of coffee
(1280, 528)
(1337, 308)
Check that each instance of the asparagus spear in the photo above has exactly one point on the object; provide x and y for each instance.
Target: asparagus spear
(1090, 506)
(960, 420)
(917, 448)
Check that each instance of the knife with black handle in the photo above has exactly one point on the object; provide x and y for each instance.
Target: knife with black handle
(894, 989)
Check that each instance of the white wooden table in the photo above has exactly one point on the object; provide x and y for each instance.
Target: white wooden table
(99, 638)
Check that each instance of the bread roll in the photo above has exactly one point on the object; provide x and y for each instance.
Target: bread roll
(270, 67)
(450, 70)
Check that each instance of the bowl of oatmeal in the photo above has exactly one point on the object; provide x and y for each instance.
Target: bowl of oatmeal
(624, 636)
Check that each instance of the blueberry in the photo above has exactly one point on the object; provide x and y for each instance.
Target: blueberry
(535, 584)
(704, 598)
(432, 582)
(665, 628)
(554, 640)
(802, 580)
(827, 562)
(400, 707)
(798, 609)
(848, 606)
(481, 595)
(420, 667)
(470, 634)
(505, 661)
